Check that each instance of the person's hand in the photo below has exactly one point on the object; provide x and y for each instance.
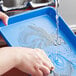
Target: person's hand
(4, 18)
(31, 61)
(34, 62)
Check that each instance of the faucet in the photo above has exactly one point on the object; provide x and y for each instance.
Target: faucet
(32, 4)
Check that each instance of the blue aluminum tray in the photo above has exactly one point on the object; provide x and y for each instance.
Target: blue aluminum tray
(37, 29)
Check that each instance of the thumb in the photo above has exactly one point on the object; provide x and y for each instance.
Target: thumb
(4, 18)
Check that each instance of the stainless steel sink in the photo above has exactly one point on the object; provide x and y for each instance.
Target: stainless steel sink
(13, 3)
(23, 4)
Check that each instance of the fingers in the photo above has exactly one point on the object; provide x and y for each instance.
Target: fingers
(4, 18)
(38, 72)
(45, 65)
(45, 60)
(45, 70)
(49, 65)
(41, 70)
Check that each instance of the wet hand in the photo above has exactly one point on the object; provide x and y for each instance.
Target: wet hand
(34, 62)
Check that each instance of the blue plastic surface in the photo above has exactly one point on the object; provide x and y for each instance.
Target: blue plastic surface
(37, 29)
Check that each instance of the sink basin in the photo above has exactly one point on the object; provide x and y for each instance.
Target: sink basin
(13, 3)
